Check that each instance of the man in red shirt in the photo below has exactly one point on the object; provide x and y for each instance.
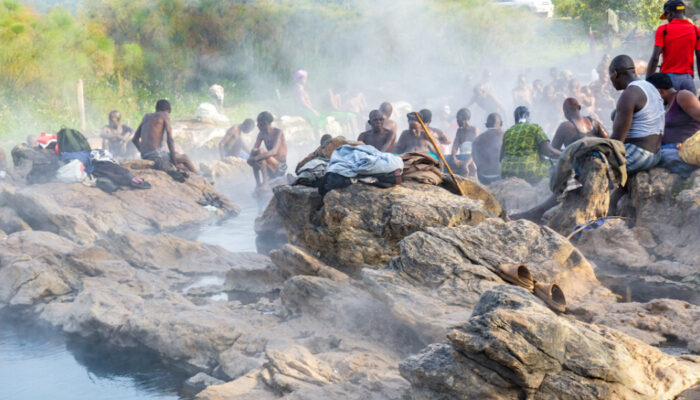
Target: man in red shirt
(678, 42)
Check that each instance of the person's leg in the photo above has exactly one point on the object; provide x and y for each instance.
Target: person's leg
(535, 214)
(672, 161)
(184, 161)
(265, 170)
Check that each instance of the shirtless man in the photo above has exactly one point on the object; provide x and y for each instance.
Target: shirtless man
(486, 150)
(486, 100)
(576, 126)
(522, 94)
(232, 144)
(148, 140)
(273, 162)
(462, 146)
(439, 136)
(115, 135)
(413, 139)
(380, 137)
(386, 109)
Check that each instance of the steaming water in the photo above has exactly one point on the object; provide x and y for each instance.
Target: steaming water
(36, 364)
(40, 364)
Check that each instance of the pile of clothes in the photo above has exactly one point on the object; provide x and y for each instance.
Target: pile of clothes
(66, 157)
(341, 163)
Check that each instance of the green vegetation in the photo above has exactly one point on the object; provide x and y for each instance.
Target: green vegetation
(643, 14)
(131, 52)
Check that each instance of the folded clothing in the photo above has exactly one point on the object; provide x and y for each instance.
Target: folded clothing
(351, 161)
(421, 167)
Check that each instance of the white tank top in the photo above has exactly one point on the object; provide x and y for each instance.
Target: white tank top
(651, 118)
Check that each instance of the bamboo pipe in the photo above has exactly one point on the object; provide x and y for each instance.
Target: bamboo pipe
(437, 148)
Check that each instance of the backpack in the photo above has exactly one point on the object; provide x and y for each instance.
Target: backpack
(71, 141)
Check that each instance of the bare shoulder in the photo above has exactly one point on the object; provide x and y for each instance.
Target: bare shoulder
(686, 97)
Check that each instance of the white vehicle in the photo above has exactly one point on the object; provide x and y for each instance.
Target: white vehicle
(541, 7)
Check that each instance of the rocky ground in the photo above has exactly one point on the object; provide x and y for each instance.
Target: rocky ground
(377, 294)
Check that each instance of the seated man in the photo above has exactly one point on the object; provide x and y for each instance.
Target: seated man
(576, 126)
(461, 157)
(232, 145)
(381, 138)
(414, 139)
(273, 162)
(386, 109)
(148, 139)
(486, 150)
(682, 121)
(639, 117)
(115, 135)
(439, 136)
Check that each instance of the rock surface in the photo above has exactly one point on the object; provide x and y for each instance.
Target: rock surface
(343, 230)
(515, 347)
(84, 214)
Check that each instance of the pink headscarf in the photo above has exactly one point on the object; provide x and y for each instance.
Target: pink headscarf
(299, 74)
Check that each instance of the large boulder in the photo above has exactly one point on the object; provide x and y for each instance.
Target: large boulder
(360, 226)
(515, 347)
(84, 214)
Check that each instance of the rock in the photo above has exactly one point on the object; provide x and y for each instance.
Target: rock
(515, 194)
(249, 386)
(291, 369)
(295, 261)
(361, 236)
(227, 169)
(587, 203)
(10, 222)
(84, 214)
(200, 382)
(515, 347)
(269, 229)
(475, 191)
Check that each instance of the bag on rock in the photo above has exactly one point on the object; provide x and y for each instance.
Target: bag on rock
(71, 141)
(73, 172)
(690, 150)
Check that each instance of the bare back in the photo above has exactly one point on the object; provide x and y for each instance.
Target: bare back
(152, 128)
(486, 151)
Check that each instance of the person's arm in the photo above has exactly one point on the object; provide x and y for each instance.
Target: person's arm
(441, 137)
(600, 129)
(137, 138)
(624, 113)
(169, 137)
(689, 103)
(274, 150)
(224, 142)
(503, 148)
(455, 145)
(401, 144)
(697, 57)
(107, 133)
(546, 149)
(654, 61)
(306, 101)
(558, 140)
(389, 144)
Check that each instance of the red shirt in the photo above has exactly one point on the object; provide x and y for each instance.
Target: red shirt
(679, 39)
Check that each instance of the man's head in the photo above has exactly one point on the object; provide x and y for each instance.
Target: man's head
(663, 83)
(265, 121)
(114, 118)
(574, 86)
(572, 108)
(426, 115)
(247, 126)
(521, 114)
(376, 120)
(325, 138)
(463, 116)
(387, 109)
(554, 73)
(522, 80)
(621, 71)
(673, 9)
(494, 121)
(413, 124)
(163, 105)
(538, 85)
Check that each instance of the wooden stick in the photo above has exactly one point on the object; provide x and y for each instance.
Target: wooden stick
(81, 106)
(437, 148)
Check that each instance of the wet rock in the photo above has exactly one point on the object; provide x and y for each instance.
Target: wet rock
(293, 368)
(10, 222)
(295, 261)
(367, 237)
(513, 347)
(199, 382)
(226, 169)
(587, 203)
(84, 214)
(269, 229)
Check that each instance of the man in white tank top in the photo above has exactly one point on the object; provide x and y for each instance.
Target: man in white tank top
(639, 116)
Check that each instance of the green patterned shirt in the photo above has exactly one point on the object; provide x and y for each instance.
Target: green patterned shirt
(521, 158)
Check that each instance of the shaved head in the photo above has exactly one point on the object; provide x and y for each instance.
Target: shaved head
(622, 63)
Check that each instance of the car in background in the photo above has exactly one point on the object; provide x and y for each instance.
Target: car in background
(540, 7)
